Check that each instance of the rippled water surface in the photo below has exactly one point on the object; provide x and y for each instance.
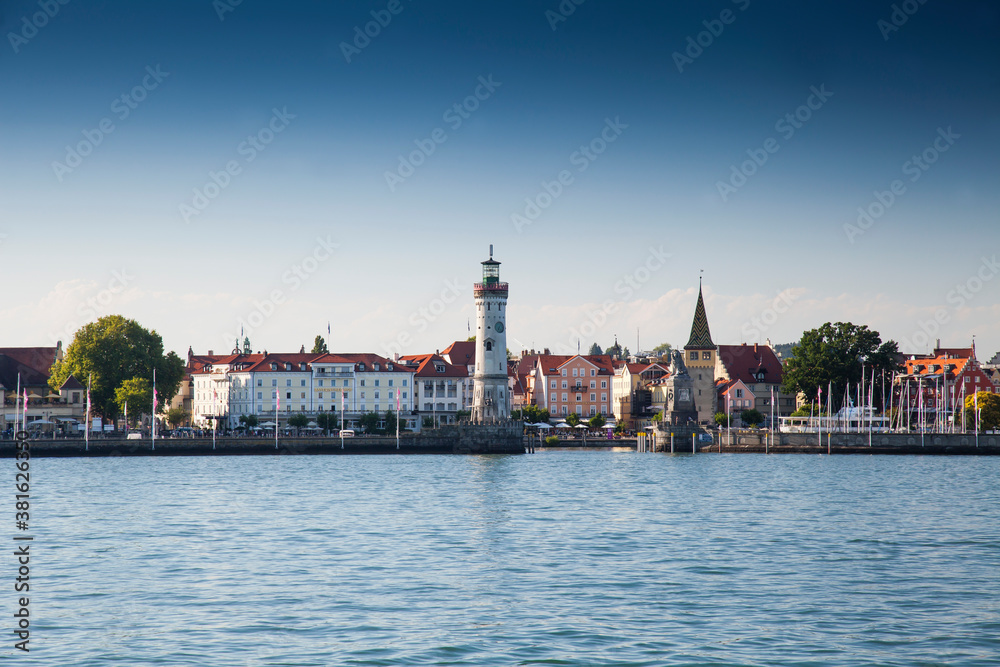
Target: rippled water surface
(556, 558)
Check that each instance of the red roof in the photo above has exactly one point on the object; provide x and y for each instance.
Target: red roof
(552, 363)
(36, 358)
(936, 366)
(745, 362)
(426, 366)
(461, 353)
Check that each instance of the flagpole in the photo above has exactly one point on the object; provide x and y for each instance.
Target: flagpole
(152, 420)
(871, 406)
(975, 402)
(343, 411)
(277, 404)
(86, 425)
(397, 418)
(17, 406)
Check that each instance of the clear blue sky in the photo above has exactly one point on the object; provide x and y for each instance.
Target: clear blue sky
(109, 232)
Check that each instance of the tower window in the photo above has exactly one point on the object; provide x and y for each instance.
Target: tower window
(693, 356)
(489, 345)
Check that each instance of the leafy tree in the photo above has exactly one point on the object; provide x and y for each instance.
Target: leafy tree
(138, 392)
(722, 419)
(552, 440)
(663, 349)
(595, 349)
(249, 420)
(298, 421)
(752, 418)
(319, 346)
(427, 422)
(597, 421)
(470, 339)
(573, 419)
(658, 417)
(390, 421)
(835, 353)
(112, 350)
(369, 422)
(463, 414)
(327, 420)
(989, 411)
(177, 416)
(616, 350)
(531, 414)
(806, 410)
(619, 428)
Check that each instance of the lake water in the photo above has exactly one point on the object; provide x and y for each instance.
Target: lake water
(556, 558)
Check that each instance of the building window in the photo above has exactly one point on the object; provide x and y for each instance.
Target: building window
(390, 383)
(259, 397)
(564, 372)
(564, 396)
(345, 383)
(362, 383)
(593, 384)
(321, 383)
(564, 384)
(288, 395)
(739, 393)
(593, 372)
(706, 355)
(376, 383)
(553, 385)
(303, 395)
(321, 398)
(693, 356)
(274, 383)
(604, 384)
(593, 397)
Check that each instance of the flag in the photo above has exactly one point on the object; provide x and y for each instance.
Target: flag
(327, 328)
(25, 420)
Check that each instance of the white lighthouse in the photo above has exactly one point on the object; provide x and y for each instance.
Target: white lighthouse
(490, 397)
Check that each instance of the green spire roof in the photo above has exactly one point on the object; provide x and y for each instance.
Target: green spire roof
(701, 337)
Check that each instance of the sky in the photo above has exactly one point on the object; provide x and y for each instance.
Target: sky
(288, 169)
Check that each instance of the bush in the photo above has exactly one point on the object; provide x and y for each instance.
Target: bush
(552, 440)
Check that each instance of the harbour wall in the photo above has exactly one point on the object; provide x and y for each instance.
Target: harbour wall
(499, 438)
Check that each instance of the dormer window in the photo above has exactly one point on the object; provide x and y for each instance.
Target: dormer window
(375, 367)
(388, 367)
(439, 368)
(302, 366)
(361, 367)
(274, 366)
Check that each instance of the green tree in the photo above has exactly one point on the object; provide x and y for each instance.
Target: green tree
(531, 414)
(177, 416)
(597, 421)
(552, 440)
(721, 419)
(835, 354)
(298, 421)
(463, 414)
(112, 350)
(989, 411)
(319, 346)
(573, 419)
(369, 422)
(752, 418)
(595, 349)
(390, 422)
(663, 349)
(328, 420)
(249, 420)
(138, 392)
(806, 410)
(427, 422)
(658, 417)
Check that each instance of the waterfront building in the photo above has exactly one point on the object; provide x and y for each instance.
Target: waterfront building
(574, 383)
(441, 388)
(759, 370)
(933, 386)
(491, 394)
(700, 356)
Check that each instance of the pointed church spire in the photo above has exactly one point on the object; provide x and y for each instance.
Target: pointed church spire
(701, 337)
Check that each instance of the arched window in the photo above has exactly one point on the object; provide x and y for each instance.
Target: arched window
(489, 345)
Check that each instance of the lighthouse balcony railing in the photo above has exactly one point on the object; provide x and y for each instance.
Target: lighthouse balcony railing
(490, 287)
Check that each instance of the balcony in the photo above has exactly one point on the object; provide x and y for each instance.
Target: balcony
(489, 287)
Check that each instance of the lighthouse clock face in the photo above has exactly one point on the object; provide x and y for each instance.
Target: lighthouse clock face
(499, 327)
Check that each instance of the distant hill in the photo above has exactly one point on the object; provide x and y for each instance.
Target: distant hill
(784, 350)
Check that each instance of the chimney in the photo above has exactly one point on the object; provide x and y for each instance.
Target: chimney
(210, 353)
(755, 348)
